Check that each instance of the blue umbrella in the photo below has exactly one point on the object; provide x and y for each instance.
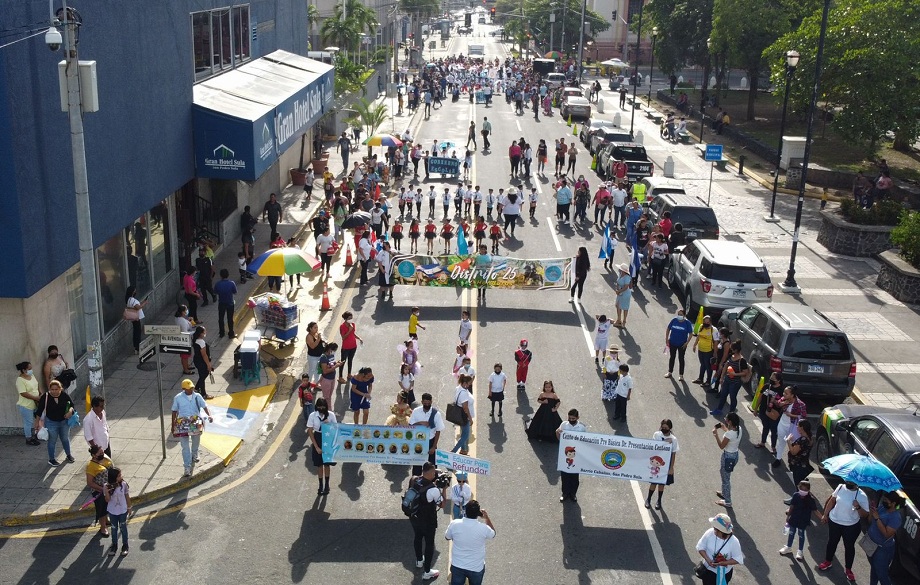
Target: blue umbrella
(862, 470)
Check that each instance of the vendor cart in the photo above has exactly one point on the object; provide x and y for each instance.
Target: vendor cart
(276, 317)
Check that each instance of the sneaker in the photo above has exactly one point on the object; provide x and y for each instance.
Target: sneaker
(799, 556)
(668, 375)
(776, 463)
(785, 550)
(53, 462)
(718, 494)
(112, 550)
(850, 576)
(124, 551)
(432, 574)
(70, 459)
(421, 563)
(715, 412)
(188, 472)
(723, 503)
(33, 442)
(825, 566)
(197, 458)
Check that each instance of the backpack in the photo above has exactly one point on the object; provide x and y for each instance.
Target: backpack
(414, 497)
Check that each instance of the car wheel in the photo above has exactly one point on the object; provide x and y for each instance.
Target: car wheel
(690, 308)
(672, 279)
(822, 450)
(751, 385)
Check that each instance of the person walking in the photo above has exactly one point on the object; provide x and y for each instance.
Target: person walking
(884, 523)
(188, 405)
(737, 373)
(361, 386)
(486, 132)
(728, 441)
(460, 495)
(623, 394)
(201, 352)
(272, 212)
(842, 514)
(132, 305)
(497, 382)
(510, 207)
(469, 537)
(703, 345)
(190, 288)
(206, 272)
(664, 434)
(350, 339)
(225, 289)
(802, 505)
(720, 549)
(581, 266)
(96, 426)
(118, 506)
(659, 258)
(430, 417)
(471, 135)
(570, 481)
(319, 418)
(27, 399)
(523, 357)
(54, 412)
(676, 338)
(425, 519)
(464, 399)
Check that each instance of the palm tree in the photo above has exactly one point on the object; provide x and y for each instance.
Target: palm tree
(339, 32)
(371, 116)
(312, 18)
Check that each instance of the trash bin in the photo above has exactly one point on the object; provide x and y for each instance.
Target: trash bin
(669, 167)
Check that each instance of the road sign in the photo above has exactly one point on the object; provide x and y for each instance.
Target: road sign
(147, 349)
(713, 152)
(162, 329)
(181, 343)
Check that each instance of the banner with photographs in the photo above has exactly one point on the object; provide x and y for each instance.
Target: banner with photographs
(614, 456)
(375, 444)
(475, 271)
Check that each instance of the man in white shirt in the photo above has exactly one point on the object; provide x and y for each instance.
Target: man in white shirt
(385, 267)
(96, 427)
(377, 220)
(570, 481)
(618, 199)
(364, 256)
(428, 416)
(468, 556)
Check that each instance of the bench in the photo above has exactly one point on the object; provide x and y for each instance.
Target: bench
(719, 163)
(655, 117)
(683, 137)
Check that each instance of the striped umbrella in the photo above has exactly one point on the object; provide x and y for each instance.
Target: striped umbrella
(553, 55)
(382, 140)
(282, 261)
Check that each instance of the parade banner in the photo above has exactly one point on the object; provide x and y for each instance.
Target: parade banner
(443, 165)
(462, 463)
(375, 444)
(475, 271)
(614, 456)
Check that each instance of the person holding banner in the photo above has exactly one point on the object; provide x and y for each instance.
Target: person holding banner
(428, 416)
(720, 550)
(460, 495)
(664, 434)
(570, 481)
(318, 418)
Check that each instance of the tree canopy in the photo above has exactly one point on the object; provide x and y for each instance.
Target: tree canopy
(531, 17)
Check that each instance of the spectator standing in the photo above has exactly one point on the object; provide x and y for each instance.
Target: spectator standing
(425, 520)
(97, 471)
(728, 442)
(623, 395)
(676, 338)
(720, 550)
(802, 505)
(364, 256)
(793, 410)
(582, 265)
(118, 506)
(57, 408)
(350, 339)
(468, 558)
(190, 288)
(737, 373)
(464, 399)
(842, 513)
(27, 399)
(225, 290)
(206, 273)
(96, 426)
(884, 523)
(767, 409)
(570, 481)
(343, 146)
(704, 344)
(201, 352)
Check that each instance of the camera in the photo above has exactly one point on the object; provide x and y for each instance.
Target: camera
(442, 480)
(718, 425)
(53, 38)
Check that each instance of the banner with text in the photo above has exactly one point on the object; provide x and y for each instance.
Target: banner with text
(462, 463)
(614, 456)
(486, 270)
(375, 444)
(443, 165)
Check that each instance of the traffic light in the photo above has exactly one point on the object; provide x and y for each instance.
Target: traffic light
(493, 12)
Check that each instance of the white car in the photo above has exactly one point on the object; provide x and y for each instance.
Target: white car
(576, 107)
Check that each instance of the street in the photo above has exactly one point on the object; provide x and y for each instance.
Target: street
(267, 525)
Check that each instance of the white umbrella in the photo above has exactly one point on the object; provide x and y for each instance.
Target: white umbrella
(614, 63)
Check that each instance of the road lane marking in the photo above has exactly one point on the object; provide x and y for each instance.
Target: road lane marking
(552, 232)
(518, 123)
(584, 329)
(652, 537)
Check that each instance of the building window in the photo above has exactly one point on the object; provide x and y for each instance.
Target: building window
(74, 282)
(111, 262)
(220, 40)
(161, 253)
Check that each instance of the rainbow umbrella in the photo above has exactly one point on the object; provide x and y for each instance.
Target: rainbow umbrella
(553, 55)
(382, 140)
(281, 261)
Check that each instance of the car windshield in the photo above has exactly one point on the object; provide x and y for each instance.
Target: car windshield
(817, 345)
(636, 152)
(694, 216)
(746, 274)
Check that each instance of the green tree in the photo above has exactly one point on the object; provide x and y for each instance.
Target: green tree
(532, 18)
(369, 115)
(684, 27)
(870, 68)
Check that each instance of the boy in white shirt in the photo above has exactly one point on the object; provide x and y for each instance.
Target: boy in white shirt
(490, 202)
(467, 369)
(624, 393)
(477, 202)
(533, 201)
(432, 199)
(460, 495)
(497, 382)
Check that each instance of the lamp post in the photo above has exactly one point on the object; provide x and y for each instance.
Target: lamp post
(792, 60)
(632, 117)
(552, 25)
(652, 64)
(790, 285)
(71, 20)
(565, 10)
(703, 93)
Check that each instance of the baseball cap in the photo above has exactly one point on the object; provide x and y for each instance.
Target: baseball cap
(187, 384)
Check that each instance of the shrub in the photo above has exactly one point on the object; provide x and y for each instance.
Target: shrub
(883, 213)
(686, 84)
(907, 236)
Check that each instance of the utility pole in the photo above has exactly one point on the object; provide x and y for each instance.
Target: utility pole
(565, 9)
(581, 40)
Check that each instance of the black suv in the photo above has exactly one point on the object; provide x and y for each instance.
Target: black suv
(797, 340)
(698, 220)
(890, 436)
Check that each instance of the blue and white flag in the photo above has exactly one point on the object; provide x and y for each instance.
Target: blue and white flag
(608, 244)
(462, 248)
(634, 265)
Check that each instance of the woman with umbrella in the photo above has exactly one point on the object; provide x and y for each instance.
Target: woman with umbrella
(842, 513)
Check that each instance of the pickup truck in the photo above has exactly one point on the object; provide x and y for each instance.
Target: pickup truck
(890, 436)
(638, 164)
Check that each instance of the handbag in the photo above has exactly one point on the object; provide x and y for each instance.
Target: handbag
(868, 545)
(131, 314)
(455, 412)
(701, 568)
(66, 377)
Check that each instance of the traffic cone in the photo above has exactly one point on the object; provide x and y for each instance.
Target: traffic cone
(325, 306)
(569, 123)
(594, 163)
(349, 261)
(574, 129)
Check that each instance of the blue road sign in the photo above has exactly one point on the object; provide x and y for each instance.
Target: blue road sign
(713, 152)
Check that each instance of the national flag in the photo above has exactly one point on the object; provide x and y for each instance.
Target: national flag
(699, 322)
(608, 244)
(462, 248)
(635, 266)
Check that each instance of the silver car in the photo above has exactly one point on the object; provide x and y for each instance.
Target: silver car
(576, 107)
(718, 275)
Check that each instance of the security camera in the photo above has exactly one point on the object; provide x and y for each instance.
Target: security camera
(53, 39)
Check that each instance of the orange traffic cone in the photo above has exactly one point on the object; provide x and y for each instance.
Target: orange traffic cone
(325, 306)
(349, 261)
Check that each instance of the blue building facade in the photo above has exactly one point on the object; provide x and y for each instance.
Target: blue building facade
(145, 198)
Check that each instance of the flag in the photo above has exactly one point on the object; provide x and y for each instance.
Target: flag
(757, 395)
(699, 322)
(608, 244)
(634, 266)
(462, 247)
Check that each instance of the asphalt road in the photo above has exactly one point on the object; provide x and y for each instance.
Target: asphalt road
(271, 527)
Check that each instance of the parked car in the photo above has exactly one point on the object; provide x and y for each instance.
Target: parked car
(497, 32)
(697, 219)
(555, 80)
(605, 136)
(637, 161)
(718, 275)
(576, 107)
(590, 127)
(890, 436)
(655, 186)
(567, 91)
(799, 341)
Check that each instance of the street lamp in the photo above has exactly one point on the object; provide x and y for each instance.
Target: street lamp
(792, 60)
(632, 117)
(789, 285)
(552, 25)
(703, 92)
(652, 64)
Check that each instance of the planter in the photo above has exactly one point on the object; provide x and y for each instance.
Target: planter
(850, 239)
(298, 177)
(898, 278)
(320, 164)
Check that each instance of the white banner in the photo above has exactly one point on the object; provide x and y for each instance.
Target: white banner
(462, 463)
(614, 456)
